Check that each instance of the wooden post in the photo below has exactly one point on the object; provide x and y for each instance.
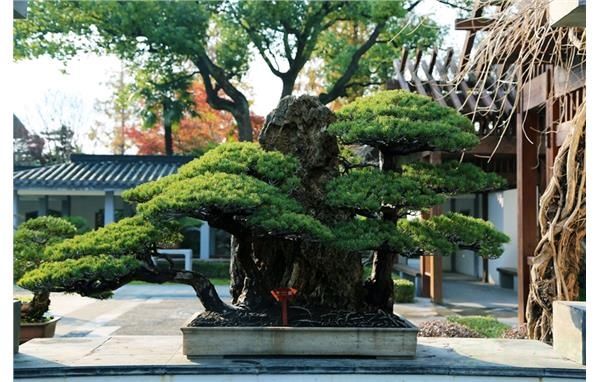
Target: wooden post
(527, 157)
(431, 266)
(485, 216)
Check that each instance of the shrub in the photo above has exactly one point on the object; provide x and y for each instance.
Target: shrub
(79, 222)
(404, 291)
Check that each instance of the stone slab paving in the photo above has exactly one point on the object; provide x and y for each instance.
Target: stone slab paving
(162, 355)
(148, 309)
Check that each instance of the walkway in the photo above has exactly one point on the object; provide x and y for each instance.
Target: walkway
(160, 358)
(147, 309)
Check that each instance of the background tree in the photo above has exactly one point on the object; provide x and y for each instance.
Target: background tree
(51, 137)
(217, 39)
(193, 134)
(300, 218)
(122, 108)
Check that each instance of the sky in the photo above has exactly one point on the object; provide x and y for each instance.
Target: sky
(47, 87)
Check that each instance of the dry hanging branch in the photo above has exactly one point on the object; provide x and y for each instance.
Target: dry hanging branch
(559, 254)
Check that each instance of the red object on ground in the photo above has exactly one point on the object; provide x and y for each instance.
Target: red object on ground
(282, 295)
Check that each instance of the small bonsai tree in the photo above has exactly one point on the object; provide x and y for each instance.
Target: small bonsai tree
(300, 215)
(30, 242)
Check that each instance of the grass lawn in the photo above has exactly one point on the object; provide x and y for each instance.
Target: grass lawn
(487, 326)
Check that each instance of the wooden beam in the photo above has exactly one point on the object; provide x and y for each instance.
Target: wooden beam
(467, 91)
(435, 89)
(432, 62)
(456, 102)
(527, 232)
(472, 24)
(400, 75)
(412, 69)
(507, 146)
(469, 38)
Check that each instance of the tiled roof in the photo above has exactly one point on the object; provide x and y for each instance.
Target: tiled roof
(91, 172)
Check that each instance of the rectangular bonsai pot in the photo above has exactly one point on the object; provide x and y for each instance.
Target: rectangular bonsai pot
(294, 341)
(31, 330)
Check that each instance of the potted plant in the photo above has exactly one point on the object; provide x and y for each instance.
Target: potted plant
(301, 212)
(30, 242)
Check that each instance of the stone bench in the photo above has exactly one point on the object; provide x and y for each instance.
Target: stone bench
(507, 277)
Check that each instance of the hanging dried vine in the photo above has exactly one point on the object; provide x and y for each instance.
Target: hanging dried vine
(514, 49)
(561, 250)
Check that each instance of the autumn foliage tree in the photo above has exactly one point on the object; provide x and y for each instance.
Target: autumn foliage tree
(194, 133)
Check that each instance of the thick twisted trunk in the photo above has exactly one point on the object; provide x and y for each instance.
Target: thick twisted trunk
(34, 310)
(321, 275)
(380, 287)
(561, 250)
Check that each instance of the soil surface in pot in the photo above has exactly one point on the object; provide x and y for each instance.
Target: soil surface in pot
(299, 316)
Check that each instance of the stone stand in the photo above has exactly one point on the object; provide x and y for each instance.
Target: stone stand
(568, 327)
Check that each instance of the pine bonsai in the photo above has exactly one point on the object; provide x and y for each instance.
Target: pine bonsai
(29, 243)
(300, 214)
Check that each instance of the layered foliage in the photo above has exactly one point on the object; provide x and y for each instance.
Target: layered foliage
(405, 121)
(31, 239)
(254, 194)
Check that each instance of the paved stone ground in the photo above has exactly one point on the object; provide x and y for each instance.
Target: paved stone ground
(159, 355)
(162, 309)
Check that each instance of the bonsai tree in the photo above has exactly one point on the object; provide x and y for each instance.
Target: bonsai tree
(30, 240)
(300, 214)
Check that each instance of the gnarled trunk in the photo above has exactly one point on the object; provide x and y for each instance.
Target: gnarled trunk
(561, 250)
(38, 306)
(323, 276)
(380, 287)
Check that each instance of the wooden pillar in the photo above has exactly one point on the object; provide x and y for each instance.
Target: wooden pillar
(431, 266)
(485, 277)
(527, 181)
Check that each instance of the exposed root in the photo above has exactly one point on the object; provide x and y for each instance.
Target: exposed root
(558, 256)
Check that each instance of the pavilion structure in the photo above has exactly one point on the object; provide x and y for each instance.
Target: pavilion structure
(520, 136)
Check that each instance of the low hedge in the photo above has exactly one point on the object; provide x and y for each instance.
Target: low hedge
(404, 291)
(210, 269)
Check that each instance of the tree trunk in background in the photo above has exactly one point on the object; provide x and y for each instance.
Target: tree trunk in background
(168, 138)
(244, 123)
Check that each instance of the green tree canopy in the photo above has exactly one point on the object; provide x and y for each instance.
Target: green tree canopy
(173, 41)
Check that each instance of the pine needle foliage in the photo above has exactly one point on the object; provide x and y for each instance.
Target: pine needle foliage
(253, 193)
(407, 121)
